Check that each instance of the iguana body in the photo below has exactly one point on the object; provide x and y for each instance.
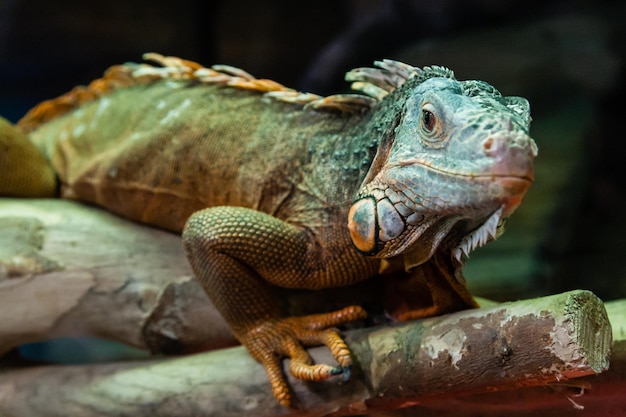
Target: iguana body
(295, 190)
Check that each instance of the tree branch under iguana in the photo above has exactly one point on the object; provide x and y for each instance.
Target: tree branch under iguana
(521, 344)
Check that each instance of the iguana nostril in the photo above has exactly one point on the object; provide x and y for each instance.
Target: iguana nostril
(488, 146)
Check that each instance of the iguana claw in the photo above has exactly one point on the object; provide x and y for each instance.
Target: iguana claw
(273, 340)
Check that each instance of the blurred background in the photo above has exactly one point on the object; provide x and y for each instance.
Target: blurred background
(566, 57)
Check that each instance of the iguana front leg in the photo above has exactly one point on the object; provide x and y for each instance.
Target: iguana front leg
(235, 252)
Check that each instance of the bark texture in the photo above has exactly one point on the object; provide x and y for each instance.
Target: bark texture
(527, 343)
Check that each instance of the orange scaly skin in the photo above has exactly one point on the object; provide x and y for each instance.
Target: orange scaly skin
(273, 187)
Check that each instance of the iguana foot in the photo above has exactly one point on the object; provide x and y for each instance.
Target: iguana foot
(271, 341)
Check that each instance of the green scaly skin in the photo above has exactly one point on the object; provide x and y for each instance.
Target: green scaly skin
(271, 193)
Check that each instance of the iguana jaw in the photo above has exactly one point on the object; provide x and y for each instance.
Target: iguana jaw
(386, 223)
(491, 229)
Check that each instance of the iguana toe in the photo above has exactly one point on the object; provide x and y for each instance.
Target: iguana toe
(273, 340)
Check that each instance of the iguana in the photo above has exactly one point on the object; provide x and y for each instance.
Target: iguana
(273, 187)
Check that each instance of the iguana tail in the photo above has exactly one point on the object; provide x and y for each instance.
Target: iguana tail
(25, 171)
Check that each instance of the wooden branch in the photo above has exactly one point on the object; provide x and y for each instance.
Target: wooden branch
(526, 343)
(512, 345)
(593, 396)
(70, 270)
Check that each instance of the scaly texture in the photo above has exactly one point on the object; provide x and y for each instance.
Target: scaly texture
(273, 187)
(25, 172)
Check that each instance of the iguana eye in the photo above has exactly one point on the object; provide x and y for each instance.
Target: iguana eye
(428, 120)
(432, 124)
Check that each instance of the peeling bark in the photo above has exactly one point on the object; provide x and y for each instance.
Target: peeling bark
(512, 345)
(397, 366)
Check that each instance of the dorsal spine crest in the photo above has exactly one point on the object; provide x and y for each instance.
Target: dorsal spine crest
(373, 84)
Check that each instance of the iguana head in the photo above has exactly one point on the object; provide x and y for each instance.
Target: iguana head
(456, 165)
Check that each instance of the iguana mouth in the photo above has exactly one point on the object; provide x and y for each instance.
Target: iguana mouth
(442, 229)
(515, 188)
(491, 229)
(525, 173)
(511, 187)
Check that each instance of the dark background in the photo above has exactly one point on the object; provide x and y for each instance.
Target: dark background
(566, 57)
